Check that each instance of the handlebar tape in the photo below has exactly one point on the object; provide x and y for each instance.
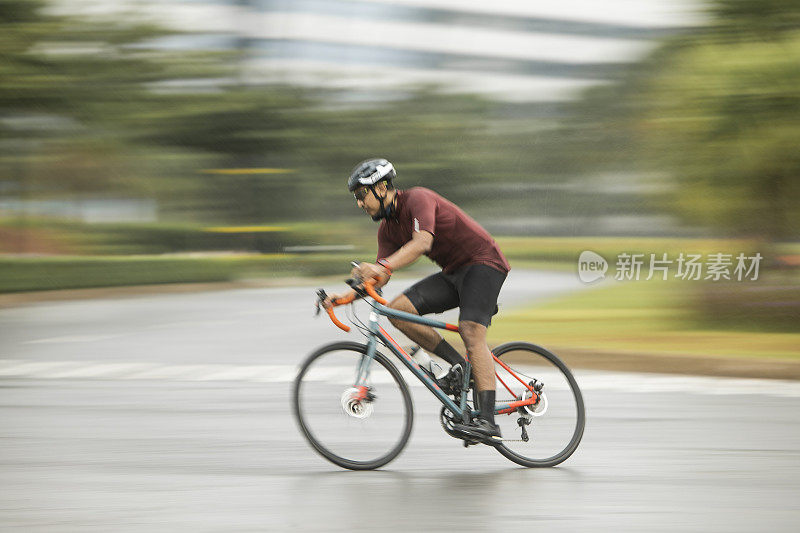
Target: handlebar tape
(369, 287)
(336, 320)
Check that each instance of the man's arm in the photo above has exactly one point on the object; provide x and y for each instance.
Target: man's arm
(420, 243)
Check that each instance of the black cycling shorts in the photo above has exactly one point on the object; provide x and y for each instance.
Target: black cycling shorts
(472, 288)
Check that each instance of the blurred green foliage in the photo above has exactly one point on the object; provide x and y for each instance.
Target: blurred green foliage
(772, 305)
(726, 118)
(715, 113)
(19, 274)
(94, 108)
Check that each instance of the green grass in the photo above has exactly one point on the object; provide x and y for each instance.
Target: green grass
(566, 250)
(66, 272)
(653, 317)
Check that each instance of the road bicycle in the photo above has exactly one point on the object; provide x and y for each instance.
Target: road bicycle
(354, 406)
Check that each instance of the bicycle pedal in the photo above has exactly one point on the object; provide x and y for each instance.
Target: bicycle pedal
(470, 440)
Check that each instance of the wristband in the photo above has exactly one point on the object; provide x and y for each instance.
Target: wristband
(385, 264)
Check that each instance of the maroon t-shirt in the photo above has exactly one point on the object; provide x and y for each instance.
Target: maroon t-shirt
(457, 239)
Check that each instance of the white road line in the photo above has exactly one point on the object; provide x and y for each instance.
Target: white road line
(588, 380)
(176, 372)
(99, 371)
(281, 374)
(192, 324)
(34, 369)
(74, 338)
(236, 373)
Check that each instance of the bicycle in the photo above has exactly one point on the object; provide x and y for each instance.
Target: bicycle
(349, 398)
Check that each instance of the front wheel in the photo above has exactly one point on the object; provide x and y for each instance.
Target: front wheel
(360, 426)
(549, 432)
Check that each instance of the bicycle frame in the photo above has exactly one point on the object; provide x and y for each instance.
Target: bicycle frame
(377, 333)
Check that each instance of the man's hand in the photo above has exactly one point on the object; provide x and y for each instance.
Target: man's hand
(368, 271)
(328, 302)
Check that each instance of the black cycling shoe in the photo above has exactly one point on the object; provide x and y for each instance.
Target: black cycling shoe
(482, 431)
(451, 382)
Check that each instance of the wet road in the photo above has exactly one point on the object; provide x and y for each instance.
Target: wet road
(171, 413)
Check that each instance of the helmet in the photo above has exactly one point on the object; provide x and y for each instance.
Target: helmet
(370, 172)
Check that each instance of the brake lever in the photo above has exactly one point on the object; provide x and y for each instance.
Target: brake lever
(321, 297)
(357, 285)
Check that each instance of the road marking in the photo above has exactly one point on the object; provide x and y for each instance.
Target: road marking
(237, 373)
(588, 380)
(176, 372)
(74, 338)
(201, 324)
(20, 368)
(102, 370)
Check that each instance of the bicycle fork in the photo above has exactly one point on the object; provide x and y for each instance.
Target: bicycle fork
(362, 375)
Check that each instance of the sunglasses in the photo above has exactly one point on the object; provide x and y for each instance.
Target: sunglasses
(360, 194)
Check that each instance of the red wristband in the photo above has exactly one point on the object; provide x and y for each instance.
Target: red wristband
(385, 264)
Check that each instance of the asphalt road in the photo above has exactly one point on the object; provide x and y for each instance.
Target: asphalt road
(171, 412)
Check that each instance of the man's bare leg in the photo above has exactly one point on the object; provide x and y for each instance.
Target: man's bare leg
(425, 336)
(485, 428)
(474, 337)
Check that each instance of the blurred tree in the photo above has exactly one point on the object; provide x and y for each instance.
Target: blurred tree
(100, 106)
(718, 109)
(745, 19)
(725, 118)
(73, 90)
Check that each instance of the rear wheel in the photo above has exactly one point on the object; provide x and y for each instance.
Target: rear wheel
(359, 428)
(554, 426)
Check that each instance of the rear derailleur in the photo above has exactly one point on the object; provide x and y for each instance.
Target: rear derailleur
(524, 420)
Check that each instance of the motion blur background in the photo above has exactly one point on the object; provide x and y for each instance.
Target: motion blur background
(199, 140)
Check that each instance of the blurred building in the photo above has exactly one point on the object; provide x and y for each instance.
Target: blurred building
(515, 50)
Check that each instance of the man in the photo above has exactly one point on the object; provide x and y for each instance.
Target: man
(417, 222)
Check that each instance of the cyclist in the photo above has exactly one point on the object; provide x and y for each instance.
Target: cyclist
(417, 222)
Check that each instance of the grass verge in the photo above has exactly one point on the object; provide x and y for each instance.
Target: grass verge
(64, 272)
(653, 317)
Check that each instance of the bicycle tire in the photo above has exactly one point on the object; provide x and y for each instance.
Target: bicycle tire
(580, 423)
(316, 443)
